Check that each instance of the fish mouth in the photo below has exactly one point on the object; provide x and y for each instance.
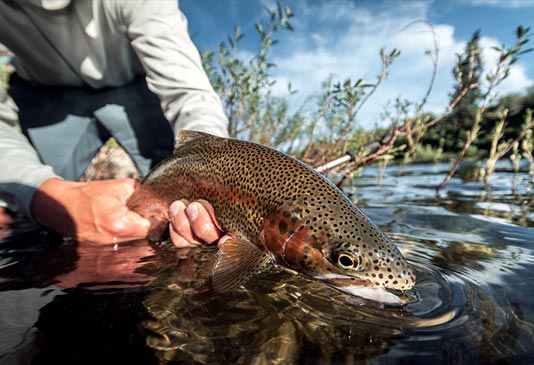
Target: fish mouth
(361, 288)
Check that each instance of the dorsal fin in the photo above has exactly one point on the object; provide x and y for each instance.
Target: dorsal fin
(185, 136)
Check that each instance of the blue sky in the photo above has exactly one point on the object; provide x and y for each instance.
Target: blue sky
(343, 37)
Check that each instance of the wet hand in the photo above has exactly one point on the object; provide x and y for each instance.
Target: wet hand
(93, 211)
(194, 224)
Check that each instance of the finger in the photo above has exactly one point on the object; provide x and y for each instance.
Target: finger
(201, 223)
(209, 208)
(178, 241)
(180, 227)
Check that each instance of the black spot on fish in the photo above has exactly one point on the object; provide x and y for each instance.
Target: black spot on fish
(282, 227)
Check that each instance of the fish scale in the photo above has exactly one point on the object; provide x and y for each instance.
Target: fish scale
(280, 205)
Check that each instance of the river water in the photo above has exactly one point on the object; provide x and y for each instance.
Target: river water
(471, 246)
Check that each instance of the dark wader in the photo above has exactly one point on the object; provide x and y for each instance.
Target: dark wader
(67, 126)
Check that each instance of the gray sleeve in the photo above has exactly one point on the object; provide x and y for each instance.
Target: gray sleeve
(21, 172)
(159, 35)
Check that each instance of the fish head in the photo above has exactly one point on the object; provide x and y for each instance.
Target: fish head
(370, 255)
(338, 244)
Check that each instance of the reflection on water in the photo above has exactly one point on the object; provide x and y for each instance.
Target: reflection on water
(268, 321)
(471, 246)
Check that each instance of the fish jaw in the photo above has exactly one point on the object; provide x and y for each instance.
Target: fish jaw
(362, 289)
(375, 293)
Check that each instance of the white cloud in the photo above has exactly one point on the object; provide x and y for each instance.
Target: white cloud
(343, 38)
(316, 50)
(517, 82)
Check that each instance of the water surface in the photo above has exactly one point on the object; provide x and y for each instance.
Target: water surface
(471, 246)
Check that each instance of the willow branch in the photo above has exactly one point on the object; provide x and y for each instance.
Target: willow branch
(530, 125)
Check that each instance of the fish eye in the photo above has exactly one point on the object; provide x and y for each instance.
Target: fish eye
(347, 261)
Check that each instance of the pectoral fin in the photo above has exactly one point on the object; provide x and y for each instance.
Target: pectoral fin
(237, 261)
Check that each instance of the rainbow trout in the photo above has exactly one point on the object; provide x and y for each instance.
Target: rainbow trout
(278, 210)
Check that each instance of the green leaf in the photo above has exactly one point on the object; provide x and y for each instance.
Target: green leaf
(519, 32)
(259, 28)
(526, 51)
(289, 14)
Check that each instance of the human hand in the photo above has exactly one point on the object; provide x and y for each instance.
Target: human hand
(92, 211)
(6, 217)
(194, 224)
(6, 222)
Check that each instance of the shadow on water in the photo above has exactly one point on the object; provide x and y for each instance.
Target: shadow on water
(64, 302)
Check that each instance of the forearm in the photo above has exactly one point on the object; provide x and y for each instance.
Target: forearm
(47, 206)
(195, 111)
(174, 68)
